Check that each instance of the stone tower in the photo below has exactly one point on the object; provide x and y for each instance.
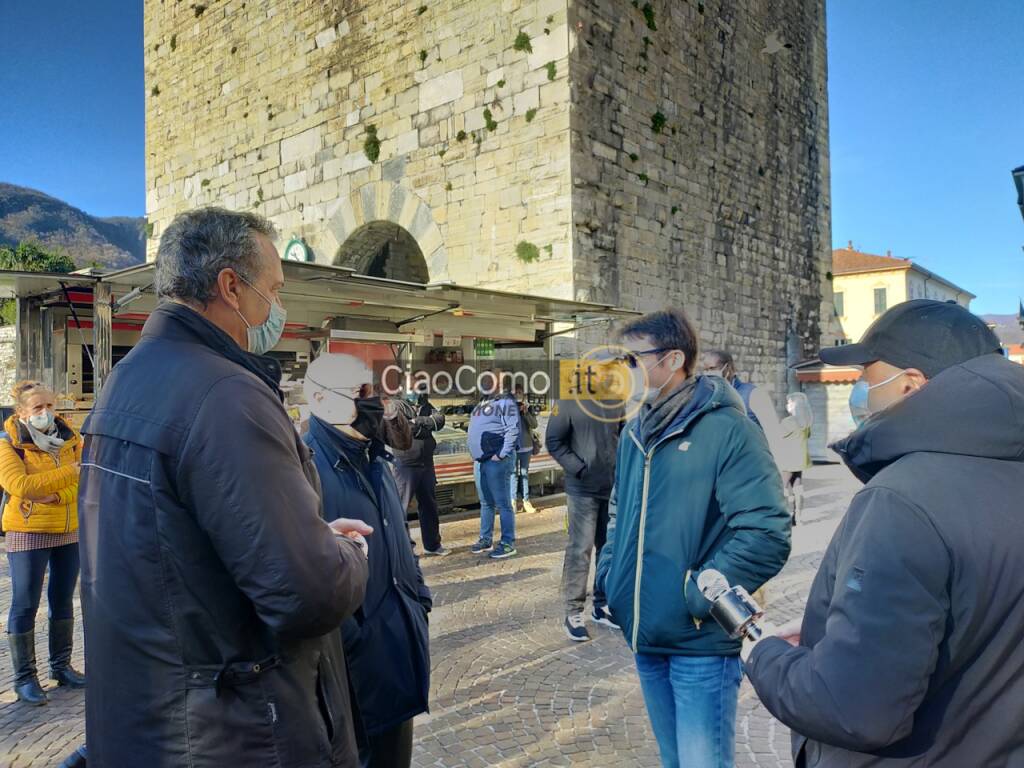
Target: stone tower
(634, 153)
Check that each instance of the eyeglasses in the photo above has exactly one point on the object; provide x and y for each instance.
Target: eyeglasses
(632, 359)
(356, 391)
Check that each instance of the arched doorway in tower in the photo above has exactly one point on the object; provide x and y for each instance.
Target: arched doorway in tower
(383, 249)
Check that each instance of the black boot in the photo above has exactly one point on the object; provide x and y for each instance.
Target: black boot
(26, 681)
(76, 759)
(62, 638)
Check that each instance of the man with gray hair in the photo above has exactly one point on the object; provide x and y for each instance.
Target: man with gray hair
(212, 587)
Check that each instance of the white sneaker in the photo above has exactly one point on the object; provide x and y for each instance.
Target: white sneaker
(575, 629)
(603, 616)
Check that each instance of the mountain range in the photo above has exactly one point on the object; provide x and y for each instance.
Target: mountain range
(26, 214)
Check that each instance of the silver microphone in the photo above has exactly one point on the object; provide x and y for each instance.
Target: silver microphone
(732, 607)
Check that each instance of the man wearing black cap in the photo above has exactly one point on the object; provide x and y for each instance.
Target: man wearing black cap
(910, 652)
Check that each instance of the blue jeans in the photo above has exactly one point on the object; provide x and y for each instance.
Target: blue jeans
(27, 571)
(521, 476)
(691, 701)
(492, 485)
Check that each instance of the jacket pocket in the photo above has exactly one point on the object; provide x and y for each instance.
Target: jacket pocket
(327, 699)
(230, 723)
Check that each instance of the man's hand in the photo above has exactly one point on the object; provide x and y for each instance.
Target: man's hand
(790, 632)
(53, 498)
(356, 530)
(496, 457)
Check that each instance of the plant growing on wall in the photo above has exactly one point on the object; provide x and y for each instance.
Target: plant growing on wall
(648, 12)
(530, 114)
(658, 122)
(522, 43)
(174, 42)
(423, 57)
(552, 70)
(460, 136)
(527, 252)
(422, 10)
(489, 120)
(371, 147)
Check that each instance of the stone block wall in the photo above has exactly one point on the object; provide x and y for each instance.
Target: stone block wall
(8, 363)
(268, 106)
(643, 153)
(701, 169)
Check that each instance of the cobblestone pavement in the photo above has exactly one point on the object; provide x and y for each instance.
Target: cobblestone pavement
(508, 688)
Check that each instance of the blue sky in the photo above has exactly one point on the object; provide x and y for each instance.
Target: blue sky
(926, 110)
(72, 120)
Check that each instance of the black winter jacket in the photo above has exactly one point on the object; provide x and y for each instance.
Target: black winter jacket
(386, 642)
(211, 586)
(425, 420)
(911, 651)
(584, 440)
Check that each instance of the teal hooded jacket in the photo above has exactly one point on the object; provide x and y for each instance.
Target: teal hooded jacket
(705, 493)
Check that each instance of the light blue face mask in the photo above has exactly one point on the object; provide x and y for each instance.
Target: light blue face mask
(859, 408)
(41, 421)
(264, 337)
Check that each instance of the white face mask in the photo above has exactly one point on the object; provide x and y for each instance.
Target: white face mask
(42, 421)
(650, 394)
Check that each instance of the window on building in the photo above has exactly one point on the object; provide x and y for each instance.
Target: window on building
(837, 299)
(880, 301)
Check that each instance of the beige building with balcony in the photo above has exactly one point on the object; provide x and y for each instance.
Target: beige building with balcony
(865, 285)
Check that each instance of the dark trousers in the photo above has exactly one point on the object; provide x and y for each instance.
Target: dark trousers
(27, 572)
(391, 749)
(421, 482)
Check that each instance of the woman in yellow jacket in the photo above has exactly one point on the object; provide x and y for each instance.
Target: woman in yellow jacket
(39, 474)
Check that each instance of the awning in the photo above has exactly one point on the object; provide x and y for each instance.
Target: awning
(39, 284)
(315, 291)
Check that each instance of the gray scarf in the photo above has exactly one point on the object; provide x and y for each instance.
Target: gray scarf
(655, 417)
(45, 441)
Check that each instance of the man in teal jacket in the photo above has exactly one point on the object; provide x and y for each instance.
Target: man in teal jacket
(695, 488)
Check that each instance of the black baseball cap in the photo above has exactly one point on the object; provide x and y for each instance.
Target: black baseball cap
(925, 334)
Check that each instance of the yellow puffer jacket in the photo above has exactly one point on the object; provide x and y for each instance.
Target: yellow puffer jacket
(37, 476)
